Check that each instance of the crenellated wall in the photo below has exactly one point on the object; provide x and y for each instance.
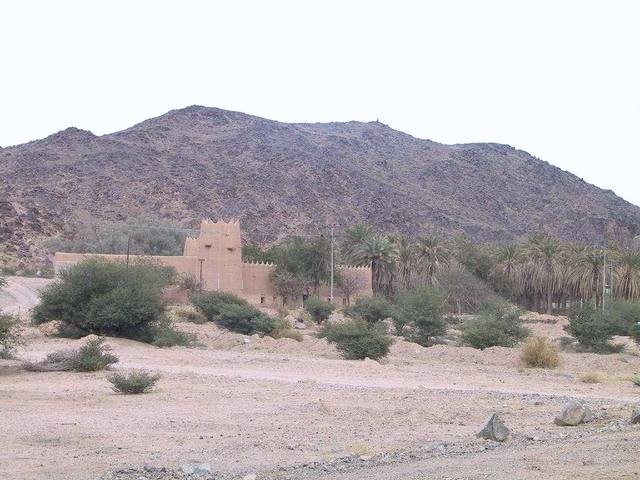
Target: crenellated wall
(215, 256)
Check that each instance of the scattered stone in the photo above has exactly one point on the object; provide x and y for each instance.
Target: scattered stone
(573, 413)
(635, 416)
(250, 476)
(246, 341)
(196, 468)
(494, 429)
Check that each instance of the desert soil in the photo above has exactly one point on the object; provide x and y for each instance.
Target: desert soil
(294, 410)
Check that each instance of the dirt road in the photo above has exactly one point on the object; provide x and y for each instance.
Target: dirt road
(21, 293)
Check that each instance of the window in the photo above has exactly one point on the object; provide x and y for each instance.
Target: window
(262, 300)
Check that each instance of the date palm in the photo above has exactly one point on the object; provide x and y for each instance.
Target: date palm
(406, 262)
(366, 247)
(433, 256)
(585, 273)
(545, 268)
(627, 272)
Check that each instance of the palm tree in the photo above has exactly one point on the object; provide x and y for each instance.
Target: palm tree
(433, 255)
(627, 272)
(544, 268)
(366, 247)
(406, 262)
(585, 272)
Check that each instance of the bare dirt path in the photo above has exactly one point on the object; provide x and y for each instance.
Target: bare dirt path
(21, 293)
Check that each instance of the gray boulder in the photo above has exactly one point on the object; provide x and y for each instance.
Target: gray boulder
(494, 429)
(635, 416)
(196, 468)
(573, 413)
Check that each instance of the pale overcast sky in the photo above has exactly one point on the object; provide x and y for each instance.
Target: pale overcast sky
(560, 79)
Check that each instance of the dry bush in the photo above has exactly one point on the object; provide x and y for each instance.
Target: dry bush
(539, 352)
(282, 329)
(187, 313)
(134, 382)
(636, 380)
(592, 377)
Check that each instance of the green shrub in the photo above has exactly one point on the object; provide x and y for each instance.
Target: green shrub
(233, 313)
(624, 316)
(9, 334)
(356, 339)
(91, 357)
(106, 298)
(134, 382)
(422, 310)
(212, 303)
(592, 328)
(497, 324)
(244, 319)
(371, 309)
(318, 308)
(165, 335)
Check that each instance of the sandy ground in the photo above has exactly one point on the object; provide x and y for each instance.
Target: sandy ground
(21, 293)
(286, 409)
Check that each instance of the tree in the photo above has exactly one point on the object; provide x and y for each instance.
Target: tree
(366, 247)
(433, 256)
(287, 285)
(106, 298)
(406, 264)
(544, 265)
(422, 309)
(349, 284)
(306, 258)
(585, 273)
(627, 272)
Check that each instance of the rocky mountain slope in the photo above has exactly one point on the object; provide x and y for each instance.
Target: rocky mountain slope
(281, 179)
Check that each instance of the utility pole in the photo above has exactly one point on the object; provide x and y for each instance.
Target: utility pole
(332, 237)
(604, 276)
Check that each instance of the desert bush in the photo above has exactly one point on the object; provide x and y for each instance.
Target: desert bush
(134, 382)
(91, 357)
(592, 328)
(592, 377)
(187, 313)
(9, 334)
(212, 303)
(371, 309)
(318, 308)
(244, 319)
(497, 324)
(282, 329)
(624, 316)
(233, 313)
(422, 310)
(105, 298)
(189, 282)
(539, 352)
(356, 339)
(636, 380)
(165, 335)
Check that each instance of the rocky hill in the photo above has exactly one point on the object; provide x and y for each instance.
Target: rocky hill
(281, 178)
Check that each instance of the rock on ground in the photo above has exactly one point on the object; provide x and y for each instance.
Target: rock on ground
(573, 413)
(494, 429)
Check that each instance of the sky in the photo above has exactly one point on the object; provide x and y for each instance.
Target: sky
(559, 79)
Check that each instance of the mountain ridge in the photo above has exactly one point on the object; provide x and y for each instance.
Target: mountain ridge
(285, 178)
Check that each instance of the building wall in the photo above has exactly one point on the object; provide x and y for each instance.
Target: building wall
(215, 256)
(187, 265)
